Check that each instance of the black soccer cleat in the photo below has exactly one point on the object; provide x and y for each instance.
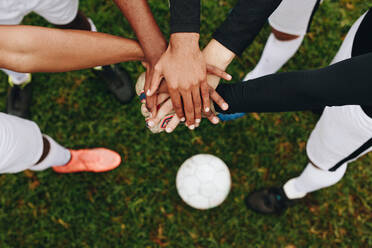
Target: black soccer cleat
(268, 201)
(19, 100)
(118, 82)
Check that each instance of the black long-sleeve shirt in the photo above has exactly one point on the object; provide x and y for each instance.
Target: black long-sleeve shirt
(345, 83)
(185, 16)
(244, 22)
(348, 82)
(240, 27)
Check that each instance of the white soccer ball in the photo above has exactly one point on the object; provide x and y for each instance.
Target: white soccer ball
(203, 181)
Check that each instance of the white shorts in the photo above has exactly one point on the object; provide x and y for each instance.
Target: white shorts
(340, 132)
(58, 12)
(344, 133)
(293, 16)
(21, 144)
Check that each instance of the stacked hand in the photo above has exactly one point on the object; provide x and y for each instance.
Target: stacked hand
(166, 118)
(184, 68)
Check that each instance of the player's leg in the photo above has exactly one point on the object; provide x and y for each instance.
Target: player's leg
(342, 135)
(19, 92)
(19, 96)
(22, 146)
(289, 23)
(80, 22)
(65, 14)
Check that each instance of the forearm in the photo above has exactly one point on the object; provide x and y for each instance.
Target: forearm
(244, 23)
(144, 25)
(37, 49)
(344, 83)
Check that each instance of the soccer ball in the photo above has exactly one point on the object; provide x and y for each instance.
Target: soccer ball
(203, 181)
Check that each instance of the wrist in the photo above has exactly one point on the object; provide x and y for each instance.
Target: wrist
(218, 55)
(153, 55)
(184, 40)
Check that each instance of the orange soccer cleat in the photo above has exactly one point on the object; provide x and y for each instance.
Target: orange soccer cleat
(90, 160)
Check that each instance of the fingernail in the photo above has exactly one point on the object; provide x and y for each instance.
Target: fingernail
(197, 120)
(148, 92)
(192, 127)
(150, 123)
(229, 77)
(183, 119)
(215, 120)
(168, 130)
(206, 109)
(225, 106)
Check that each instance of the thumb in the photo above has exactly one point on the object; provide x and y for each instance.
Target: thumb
(218, 72)
(154, 82)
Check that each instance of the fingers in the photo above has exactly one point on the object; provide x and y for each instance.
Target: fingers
(158, 98)
(155, 81)
(150, 100)
(204, 88)
(144, 111)
(177, 104)
(172, 124)
(213, 118)
(218, 72)
(162, 98)
(197, 105)
(163, 88)
(151, 103)
(189, 110)
(218, 99)
(164, 110)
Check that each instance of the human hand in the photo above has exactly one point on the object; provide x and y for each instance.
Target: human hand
(163, 100)
(184, 68)
(166, 118)
(168, 121)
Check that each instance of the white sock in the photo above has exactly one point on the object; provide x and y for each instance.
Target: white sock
(18, 78)
(57, 156)
(275, 54)
(312, 179)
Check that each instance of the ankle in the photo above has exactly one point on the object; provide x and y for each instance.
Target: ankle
(290, 190)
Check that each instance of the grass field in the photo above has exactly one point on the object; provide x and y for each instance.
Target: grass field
(137, 204)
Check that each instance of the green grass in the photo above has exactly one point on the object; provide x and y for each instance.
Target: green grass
(137, 204)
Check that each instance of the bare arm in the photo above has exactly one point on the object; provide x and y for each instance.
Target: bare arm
(144, 25)
(149, 35)
(38, 49)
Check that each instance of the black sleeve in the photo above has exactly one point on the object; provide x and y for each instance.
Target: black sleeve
(185, 16)
(346, 83)
(244, 23)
